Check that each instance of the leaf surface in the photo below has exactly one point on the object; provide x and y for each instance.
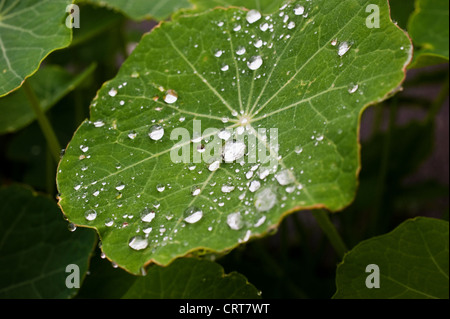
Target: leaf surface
(413, 262)
(29, 31)
(302, 77)
(36, 247)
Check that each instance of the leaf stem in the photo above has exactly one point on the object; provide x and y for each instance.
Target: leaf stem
(323, 219)
(44, 123)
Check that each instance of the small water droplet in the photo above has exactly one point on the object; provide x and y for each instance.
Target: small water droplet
(291, 25)
(171, 97)
(160, 188)
(225, 68)
(265, 200)
(193, 215)
(253, 16)
(241, 50)
(233, 150)
(224, 134)
(254, 186)
(285, 177)
(214, 166)
(72, 227)
(260, 221)
(132, 135)
(120, 186)
(147, 215)
(227, 188)
(99, 123)
(112, 92)
(109, 222)
(264, 27)
(218, 53)
(156, 132)
(237, 27)
(343, 48)
(353, 88)
(299, 10)
(138, 243)
(196, 191)
(255, 63)
(90, 215)
(258, 44)
(84, 148)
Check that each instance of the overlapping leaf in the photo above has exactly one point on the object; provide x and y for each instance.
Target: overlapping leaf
(29, 31)
(36, 247)
(429, 29)
(307, 71)
(145, 9)
(413, 262)
(50, 84)
(264, 6)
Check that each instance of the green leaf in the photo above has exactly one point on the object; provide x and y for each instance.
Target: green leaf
(29, 31)
(429, 30)
(51, 83)
(36, 247)
(144, 9)
(304, 88)
(412, 260)
(189, 278)
(264, 6)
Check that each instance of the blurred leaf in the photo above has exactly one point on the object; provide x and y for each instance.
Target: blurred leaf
(429, 30)
(264, 6)
(401, 10)
(51, 83)
(29, 31)
(36, 246)
(413, 263)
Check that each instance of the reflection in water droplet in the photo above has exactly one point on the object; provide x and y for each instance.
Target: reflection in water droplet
(156, 132)
(138, 243)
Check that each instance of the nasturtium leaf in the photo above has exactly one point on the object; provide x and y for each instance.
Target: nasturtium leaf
(145, 9)
(190, 278)
(36, 247)
(51, 83)
(429, 30)
(29, 31)
(264, 6)
(412, 261)
(294, 85)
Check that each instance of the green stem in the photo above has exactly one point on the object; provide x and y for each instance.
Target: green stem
(437, 104)
(331, 232)
(44, 123)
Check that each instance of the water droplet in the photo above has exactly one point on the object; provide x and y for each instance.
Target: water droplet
(334, 42)
(84, 149)
(291, 25)
(299, 150)
(299, 10)
(343, 48)
(109, 222)
(258, 44)
(196, 190)
(241, 50)
(237, 28)
(225, 68)
(77, 187)
(147, 215)
(218, 53)
(138, 243)
(99, 124)
(132, 135)
(214, 166)
(234, 220)
(120, 186)
(193, 215)
(72, 227)
(255, 63)
(353, 88)
(264, 27)
(265, 200)
(156, 132)
(160, 188)
(227, 188)
(112, 92)
(90, 215)
(260, 221)
(233, 150)
(171, 97)
(253, 16)
(254, 186)
(285, 177)
(224, 134)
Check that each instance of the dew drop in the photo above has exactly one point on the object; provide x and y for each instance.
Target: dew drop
(225, 68)
(253, 16)
(99, 123)
(160, 188)
(147, 215)
(233, 150)
(218, 53)
(291, 25)
(171, 97)
(234, 221)
(254, 186)
(138, 243)
(258, 44)
(299, 10)
(224, 134)
(353, 88)
(84, 148)
(120, 186)
(260, 221)
(214, 166)
(264, 27)
(285, 177)
(72, 227)
(227, 188)
(343, 48)
(255, 63)
(193, 215)
(156, 132)
(90, 215)
(132, 135)
(241, 50)
(196, 190)
(109, 222)
(265, 200)
(112, 92)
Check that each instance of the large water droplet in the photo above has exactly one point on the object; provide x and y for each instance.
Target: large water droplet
(253, 16)
(255, 63)
(156, 132)
(138, 243)
(254, 186)
(265, 200)
(193, 215)
(299, 10)
(147, 215)
(234, 220)
(227, 188)
(343, 48)
(90, 215)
